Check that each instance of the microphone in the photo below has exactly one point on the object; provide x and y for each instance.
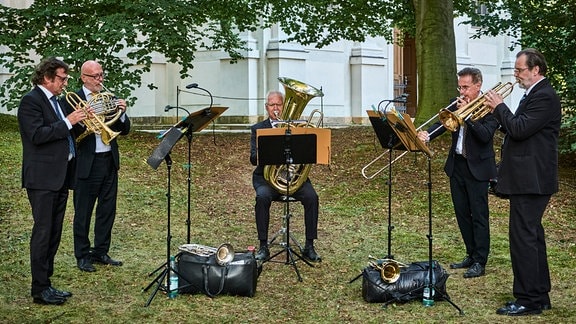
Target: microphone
(168, 107)
(195, 86)
(401, 98)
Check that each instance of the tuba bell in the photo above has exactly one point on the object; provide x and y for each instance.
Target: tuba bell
(297, 95)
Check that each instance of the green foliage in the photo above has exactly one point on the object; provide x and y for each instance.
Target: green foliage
(124, 36)
(550, 27)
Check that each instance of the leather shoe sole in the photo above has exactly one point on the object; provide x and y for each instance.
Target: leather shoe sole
(513, 309)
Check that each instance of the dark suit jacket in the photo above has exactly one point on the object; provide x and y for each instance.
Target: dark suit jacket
(529, 162)
(479, 147)
(87, 147)
(253, 148)
(44, 142)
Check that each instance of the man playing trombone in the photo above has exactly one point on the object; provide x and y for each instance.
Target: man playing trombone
(470, 166)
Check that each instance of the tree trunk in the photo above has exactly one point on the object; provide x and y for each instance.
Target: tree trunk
(435, 56)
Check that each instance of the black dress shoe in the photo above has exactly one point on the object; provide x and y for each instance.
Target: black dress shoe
(544, 307)
(47, 297)
(309, 253)
(513, 309)
(85, 264)
(105, 259)
(61, 293)
(263, 253)
(466, 263)
(476, 270)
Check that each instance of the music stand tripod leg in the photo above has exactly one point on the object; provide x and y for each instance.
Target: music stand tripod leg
(291, 255)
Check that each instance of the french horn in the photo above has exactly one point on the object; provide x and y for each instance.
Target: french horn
(106, 113)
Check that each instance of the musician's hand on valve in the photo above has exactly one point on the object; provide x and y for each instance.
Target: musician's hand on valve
(76, 116)
(121, 104)
(493, 99)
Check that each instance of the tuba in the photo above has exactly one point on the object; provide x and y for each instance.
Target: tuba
(474, 110)
(298, 94)
(105, 114)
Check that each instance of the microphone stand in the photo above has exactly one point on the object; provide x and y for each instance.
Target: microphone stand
(189, 139)
(188, 166)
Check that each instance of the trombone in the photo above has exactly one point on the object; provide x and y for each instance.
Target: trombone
(369, 177)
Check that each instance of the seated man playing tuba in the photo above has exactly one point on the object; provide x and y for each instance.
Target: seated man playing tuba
(266, 193)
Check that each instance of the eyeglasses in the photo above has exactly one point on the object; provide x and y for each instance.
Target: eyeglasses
(274, 105)
(63, 78)
(520, 70)
(95, 76)
(463, 88)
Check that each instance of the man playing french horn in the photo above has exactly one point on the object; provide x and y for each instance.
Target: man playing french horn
(97, 169)
(265, 193)
(470, 166)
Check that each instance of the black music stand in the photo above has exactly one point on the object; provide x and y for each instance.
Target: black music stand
(194, 122)
(284, 150)
(402, 125)
(389, 140)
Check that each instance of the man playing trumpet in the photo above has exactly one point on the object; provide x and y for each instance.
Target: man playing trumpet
(470, 166)
(97, 180)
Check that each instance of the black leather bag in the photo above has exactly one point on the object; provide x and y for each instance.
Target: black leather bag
(201, 274)
(409, 286)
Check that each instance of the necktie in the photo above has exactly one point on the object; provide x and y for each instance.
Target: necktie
(523, 97)
(464, 131)
(70, 140)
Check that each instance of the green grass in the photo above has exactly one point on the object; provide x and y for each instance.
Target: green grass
(353, 225)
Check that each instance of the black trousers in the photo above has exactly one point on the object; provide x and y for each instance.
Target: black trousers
(265, 194)
(528, 250)
(48, 210)
(101, 186)
(470, 199)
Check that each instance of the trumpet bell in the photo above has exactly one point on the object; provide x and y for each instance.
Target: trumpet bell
(389, 269)
(225, 254)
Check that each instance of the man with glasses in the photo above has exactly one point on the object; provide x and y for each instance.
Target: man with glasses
(265, 193)
(47, 170)
(470, 166)
(528, 175)
(97, 180)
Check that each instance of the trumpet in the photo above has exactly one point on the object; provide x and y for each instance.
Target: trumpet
(389, 268)
(94, 123)
(224, 254)
(474, 110)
